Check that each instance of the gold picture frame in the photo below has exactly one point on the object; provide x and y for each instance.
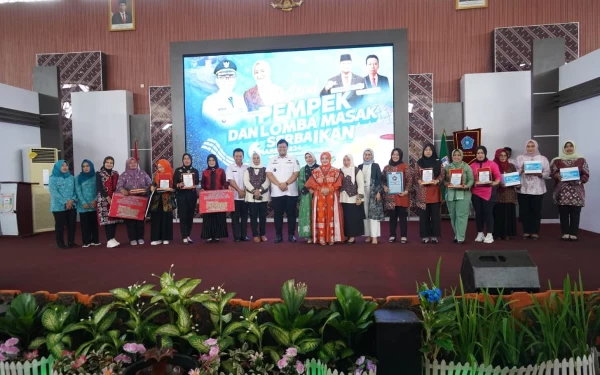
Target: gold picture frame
(471, 4)
(121, 19)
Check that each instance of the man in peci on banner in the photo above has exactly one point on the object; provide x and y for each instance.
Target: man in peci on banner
(123, 16)
(224, 107)
(346, 82)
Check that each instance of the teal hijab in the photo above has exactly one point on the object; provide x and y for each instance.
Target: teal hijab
(56, 172)
(86, 176)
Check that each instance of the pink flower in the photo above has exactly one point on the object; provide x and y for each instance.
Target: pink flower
(360, 360)
(371, 366)
(107, 371)
(205, 358)
(214, 351)
(194, 372)
(2, 357)
(66, 353)
(12, 342)
(30, 356)
(9, 349)
(210, 342)
(141, 348)
(122, 358)
(291, 352)
(282, 363)
(134, 348)
(79, 362)
(299, 367)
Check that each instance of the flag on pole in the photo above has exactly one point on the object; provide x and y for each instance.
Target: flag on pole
(135, 151)
(444, 158)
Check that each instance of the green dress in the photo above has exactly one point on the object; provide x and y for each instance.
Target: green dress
(304, 214)
(459, 200)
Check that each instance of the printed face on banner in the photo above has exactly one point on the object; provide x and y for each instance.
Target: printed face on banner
(336, 100)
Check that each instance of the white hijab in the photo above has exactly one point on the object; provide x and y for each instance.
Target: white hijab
(259, 164)
(349, 171)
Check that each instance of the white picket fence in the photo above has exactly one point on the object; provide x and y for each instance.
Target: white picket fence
(572, 366)
(43, 366)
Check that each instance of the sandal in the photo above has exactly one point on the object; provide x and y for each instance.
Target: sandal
(263, 238)
(331, 243)
(374, 242)
(256, 239)
(526, 236)
(368, 240)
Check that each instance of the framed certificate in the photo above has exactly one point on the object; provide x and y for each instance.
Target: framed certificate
(427, 176)
(456, 177)
(511, 179)
(164, 180)
(188, 180)
(216, 201)
(395, 182)
(532, 167)
(569, 174)
(484, 175)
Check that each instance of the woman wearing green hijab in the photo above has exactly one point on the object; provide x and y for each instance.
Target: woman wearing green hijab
(458, 196)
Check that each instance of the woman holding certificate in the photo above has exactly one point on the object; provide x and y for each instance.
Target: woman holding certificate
(161, 205)
(487, 175)
(186, 179)
(459, 180)
(214, 225)
(306, 197)
(373, 191)
(397, 182)
(257, 185)
(134, 181)
(533, 168)
(429, 174)
(352, 196)
(570, 171)
(326, 181)
(505, 209)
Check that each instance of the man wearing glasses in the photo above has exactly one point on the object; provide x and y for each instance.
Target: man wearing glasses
(224, 107)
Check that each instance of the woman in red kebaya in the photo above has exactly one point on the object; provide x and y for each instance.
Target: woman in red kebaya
(214, 225)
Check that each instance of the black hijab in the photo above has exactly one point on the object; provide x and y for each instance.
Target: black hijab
(188, 168)
(396, 163)
(104, 163)
(430, 162)
(213, 173)
(484, 149)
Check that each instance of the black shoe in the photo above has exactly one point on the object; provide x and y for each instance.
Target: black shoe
(62, 246)
(244, 239)
(237, 240)
(73, 245)
(278, 239)
(291, 238)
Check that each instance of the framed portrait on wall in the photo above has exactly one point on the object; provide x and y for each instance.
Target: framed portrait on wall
(471, 4)
(121, 15)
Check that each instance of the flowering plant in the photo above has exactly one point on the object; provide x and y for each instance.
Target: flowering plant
(289, 365)
(9, 351)
(209, 363)
(93, 363)
(363, 364)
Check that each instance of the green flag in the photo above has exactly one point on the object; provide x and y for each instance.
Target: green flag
(444, 159)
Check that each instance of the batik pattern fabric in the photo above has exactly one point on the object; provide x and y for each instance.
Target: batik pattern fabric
(106, 184)
(570, 193)
(304, 212)
(327, 215)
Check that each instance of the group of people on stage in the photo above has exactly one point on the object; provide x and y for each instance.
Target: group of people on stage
(335, 204)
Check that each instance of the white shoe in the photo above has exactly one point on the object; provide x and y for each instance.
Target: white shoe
(480, 237)
(165, 242)
(489, 238)
(112, 243)
(133, 243)
(85, 245)
(154, 243)
(96, 244)
(141, 242)
(185, 241)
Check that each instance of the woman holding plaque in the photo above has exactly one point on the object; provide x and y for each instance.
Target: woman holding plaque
(533, 168)
(257, 185)
(352, 195)
(134, 181)
(429, 174)
(86, 191)
(214, 225)
(326, 181)
(373, 194)
(106, 184)
(487, 175)
(505, 212)
(186, 179)
(306, 197)
(397, 183)
(570, 171)
(459, 180)
(61, 186)
(161, 204)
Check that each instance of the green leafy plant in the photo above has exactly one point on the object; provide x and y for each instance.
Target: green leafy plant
(219, 300)
(467, 314)
(491, 315)
(512, 342)
(55, 320)
(95, 362)
(248, 328)
(21, 319)
(242, 361)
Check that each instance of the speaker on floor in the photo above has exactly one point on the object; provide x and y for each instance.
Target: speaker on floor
(509, 271)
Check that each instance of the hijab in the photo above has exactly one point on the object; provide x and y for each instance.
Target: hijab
(372, 157)
(133, 173)
(396, 163)
(502, 165)
(83, 176)
(213, 173)
(326, 167)
(187, 168)
(259, 165)
(310, 167)
(56, 172)
(430, 162)
(349, 171)
(536, 152)
(573, 156)
(461, 163)
(484, 149)
(104, 163)
(168, 170)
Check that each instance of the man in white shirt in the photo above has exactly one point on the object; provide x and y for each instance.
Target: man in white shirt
(283, 171)
(235, 177)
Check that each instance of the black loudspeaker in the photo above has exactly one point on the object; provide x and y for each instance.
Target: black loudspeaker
(509, 271)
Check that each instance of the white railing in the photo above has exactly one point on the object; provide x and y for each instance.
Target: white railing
(43, 366)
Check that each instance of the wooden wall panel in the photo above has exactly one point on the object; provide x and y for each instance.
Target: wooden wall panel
(442, 41)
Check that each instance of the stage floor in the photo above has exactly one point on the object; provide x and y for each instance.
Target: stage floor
(34, 263)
